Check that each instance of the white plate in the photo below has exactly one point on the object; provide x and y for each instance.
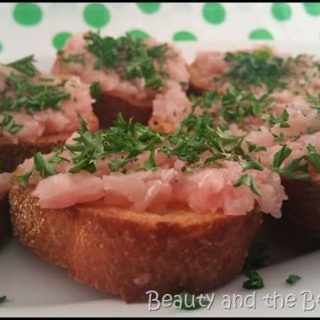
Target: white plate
(35, 288)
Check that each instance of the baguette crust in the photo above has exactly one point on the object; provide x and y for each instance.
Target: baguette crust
(4, 219)
(129, 253)
(108, 106)
(11, 155)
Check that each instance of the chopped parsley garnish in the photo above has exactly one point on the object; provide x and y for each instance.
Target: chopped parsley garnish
(296, 169)
(3, 299)
(206, 100)
(251, 164)
(130, 57)
(256, 257)
(313, 157)
(196, 142)
(292, 279)
(238, 104)
(8, 124)
(32, 97)
(25, 66)
(279, 157)
(248, 181)
(25, 95)
(259, 67)
(254, 281)
(254, 148)
(279, 137)
(95, 90)
(314, 101)
(255, 260)
(189, 301)
(74, 58)
(282, 120)
(42, 165)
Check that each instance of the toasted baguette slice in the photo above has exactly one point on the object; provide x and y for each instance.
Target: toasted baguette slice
(109, 105)
(11, 155)
(128, 253)
(4, 218)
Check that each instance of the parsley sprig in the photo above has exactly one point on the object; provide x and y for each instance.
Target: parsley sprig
(7, 123)
(3, 299)
(296, 169)
(282, 120)
(293, 279)
(247, 180)
(25, 66)
(256, 259)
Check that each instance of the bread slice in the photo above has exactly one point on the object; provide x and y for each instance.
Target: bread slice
(302, 210)
(109, 105)
(128, 253)
(11, 155)
(4, 219)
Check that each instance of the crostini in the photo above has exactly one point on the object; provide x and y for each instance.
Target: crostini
(126, 74)
(279, 131)
(259, 70)
(38, 112)
(128, 209)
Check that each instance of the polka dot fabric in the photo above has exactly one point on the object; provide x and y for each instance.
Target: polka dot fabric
(44, 28)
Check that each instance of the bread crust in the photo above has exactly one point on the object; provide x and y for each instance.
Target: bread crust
(128, 253)
(302, 210)
(4, 219)
(109, 105)
(11, 155)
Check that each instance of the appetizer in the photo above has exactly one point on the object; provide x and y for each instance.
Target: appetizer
(38, 112)
(273, 103)
(126, 74)
(260, 70)
(128, 209)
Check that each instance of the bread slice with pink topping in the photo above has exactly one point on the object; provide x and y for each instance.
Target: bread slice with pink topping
(273, 102)
(38, 112)
(128, 209)
(258, 70)
(125, 73)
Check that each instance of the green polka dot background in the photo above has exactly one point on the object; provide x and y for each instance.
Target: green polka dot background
(149, 7)
(28, 14)
(214, 13)
(44, 28)
(96, 15)
(60, 39)
(312, 8)
(139, 34)
(281, 11)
